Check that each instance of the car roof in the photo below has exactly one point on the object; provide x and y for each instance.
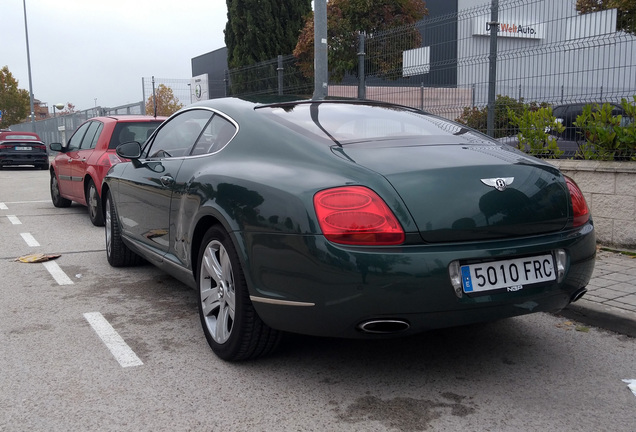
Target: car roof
(582, 104)
(19, 136)
(128, 118)
(235, 105)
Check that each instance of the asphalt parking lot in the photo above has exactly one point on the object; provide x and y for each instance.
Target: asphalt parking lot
(84, 346)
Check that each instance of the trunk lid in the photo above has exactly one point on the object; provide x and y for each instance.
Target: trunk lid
(451, 190)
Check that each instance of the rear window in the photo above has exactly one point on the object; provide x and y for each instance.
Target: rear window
(19, 137)
(132, 131)
(347, 123)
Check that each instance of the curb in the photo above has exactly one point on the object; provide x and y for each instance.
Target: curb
(606, 317)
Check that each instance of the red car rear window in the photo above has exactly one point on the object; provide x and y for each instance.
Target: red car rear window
(19, 137)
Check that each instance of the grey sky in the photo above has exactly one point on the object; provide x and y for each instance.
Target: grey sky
(82, 50)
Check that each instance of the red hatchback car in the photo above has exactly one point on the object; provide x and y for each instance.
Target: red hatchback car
(79, 168)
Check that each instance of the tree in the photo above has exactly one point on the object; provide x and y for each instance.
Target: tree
(14, 102)
(259, 30)
(626, 20)
(346, 19)
(167, 102)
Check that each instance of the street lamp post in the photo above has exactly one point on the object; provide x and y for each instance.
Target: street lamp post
(321, 73)
(59, 106)
(26, 33)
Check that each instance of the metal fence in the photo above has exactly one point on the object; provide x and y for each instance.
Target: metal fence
(546, 53)
(180, 89)
(277, 76)
(60, 127)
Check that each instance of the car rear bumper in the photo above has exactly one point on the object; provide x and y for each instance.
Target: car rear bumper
(26, 159)
(307, 285)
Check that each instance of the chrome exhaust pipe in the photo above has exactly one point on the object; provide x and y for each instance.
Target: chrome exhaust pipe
(577, 295)
(384, 326)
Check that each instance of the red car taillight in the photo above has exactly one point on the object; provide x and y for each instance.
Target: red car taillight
(356, 215)
(579, 206)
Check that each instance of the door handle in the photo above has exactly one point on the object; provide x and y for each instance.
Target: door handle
(166, 180)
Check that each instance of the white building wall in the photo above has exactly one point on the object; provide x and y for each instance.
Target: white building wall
(566, 57)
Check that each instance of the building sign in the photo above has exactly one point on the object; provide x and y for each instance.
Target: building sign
(512, 28)
(199, 88)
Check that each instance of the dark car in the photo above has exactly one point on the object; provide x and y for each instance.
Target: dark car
(22, 148)
(344, 218)
(567, 114)
(78, 170)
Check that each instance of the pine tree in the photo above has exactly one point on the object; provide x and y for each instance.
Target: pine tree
(259, 30)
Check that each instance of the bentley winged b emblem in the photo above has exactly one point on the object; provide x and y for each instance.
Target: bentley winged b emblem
(498, 183)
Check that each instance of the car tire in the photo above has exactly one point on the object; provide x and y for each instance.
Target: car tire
(230, 323)
(94, 204)
(58, 200)
(117, 252)
(44, 167)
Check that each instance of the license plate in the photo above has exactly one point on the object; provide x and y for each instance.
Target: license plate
(511, 274)
(24, 148)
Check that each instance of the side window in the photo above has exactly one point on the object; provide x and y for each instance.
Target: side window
(75, 141)
(215, 136)
(91, 135)
(97, 134)
(177, 136)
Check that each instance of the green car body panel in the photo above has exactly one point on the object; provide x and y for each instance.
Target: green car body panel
(261, 186)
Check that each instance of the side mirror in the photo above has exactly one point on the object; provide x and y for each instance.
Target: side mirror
(56, 147)
(129, 150)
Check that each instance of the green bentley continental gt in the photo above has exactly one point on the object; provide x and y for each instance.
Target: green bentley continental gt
(351, 219)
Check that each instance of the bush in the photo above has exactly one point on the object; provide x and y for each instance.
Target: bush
(608, 137)
(477, 118)
(534, 127)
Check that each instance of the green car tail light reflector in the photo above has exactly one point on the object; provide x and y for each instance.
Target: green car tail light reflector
(356, 215)
(579, 206)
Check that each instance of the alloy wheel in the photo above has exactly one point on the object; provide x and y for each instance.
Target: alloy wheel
(218, 296)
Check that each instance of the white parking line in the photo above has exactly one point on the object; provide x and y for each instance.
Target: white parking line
(57, 273)
(117, 346)
(30, 240)
(3, 206)
(14, 220)
(26, 202)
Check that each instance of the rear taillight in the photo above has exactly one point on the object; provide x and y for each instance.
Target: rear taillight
(356, 215)
(579, 206)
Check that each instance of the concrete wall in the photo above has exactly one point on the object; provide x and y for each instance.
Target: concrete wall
(610, 191)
